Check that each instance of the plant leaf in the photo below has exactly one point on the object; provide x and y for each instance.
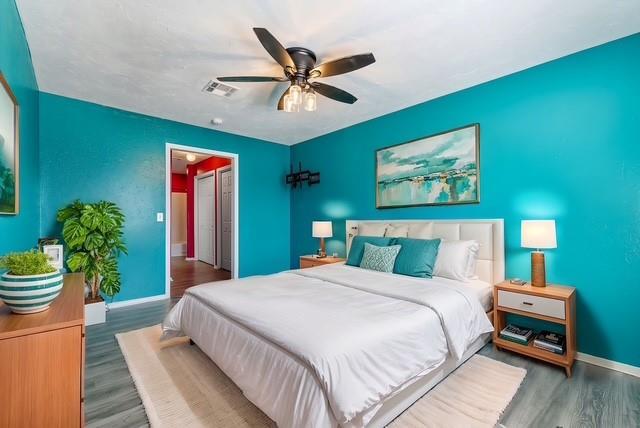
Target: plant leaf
(111, 282)
(93, 241)
(73, 210)
(78, 261)
(91, 217)
(74, 234)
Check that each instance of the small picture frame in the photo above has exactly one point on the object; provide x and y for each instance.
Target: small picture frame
(55, 254)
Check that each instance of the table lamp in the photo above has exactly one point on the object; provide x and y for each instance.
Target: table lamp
(322, 229)
(538, 234)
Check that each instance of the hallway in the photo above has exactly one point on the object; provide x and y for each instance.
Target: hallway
(186, 274)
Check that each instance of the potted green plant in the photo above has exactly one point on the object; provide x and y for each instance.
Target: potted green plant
(30, 283)
(94, 237)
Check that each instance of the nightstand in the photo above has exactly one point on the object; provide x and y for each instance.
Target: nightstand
(553, 303)
(312, 261)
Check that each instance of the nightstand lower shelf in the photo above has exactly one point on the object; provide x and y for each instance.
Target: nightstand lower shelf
(529, 350)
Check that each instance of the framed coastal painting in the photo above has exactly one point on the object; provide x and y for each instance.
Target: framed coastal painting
(9, 151)
(442, 169)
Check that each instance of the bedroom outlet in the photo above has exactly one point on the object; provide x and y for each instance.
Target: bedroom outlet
(159, 217)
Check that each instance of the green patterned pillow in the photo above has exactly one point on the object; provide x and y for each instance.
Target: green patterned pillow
(379, 258)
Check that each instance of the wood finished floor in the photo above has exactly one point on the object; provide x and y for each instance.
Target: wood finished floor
(593, 397)
(186, 274)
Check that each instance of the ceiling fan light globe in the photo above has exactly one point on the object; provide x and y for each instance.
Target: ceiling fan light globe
(296, 94)
(310, 101)
(288, 104)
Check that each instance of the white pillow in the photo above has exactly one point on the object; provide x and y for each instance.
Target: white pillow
(421, 230)
(457, 260)
(372, 229)
(397, 231)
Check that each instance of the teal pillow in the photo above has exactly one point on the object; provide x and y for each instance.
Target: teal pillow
(417, 257)
(357, 247)
(381, 259)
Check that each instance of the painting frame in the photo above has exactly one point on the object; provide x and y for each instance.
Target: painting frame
(476, 134)
(4, 85)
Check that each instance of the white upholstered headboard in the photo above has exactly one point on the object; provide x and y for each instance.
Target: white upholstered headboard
(488, 233)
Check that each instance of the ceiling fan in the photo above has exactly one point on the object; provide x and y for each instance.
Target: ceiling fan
(299, 66)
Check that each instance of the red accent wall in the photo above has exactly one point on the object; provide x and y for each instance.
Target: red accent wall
(179, 183)
(209, 164)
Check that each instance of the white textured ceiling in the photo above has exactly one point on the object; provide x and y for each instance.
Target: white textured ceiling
(155, 56)
(179, 160)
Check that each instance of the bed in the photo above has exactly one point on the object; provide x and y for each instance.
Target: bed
(338, 345)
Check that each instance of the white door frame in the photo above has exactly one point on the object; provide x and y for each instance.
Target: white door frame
(235, 160)
(195, 214)
(219, 172)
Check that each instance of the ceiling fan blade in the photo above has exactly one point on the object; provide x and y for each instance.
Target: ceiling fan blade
(275, 49)
(281, 100)
(252, 79)
(333, 93)
(343, 65)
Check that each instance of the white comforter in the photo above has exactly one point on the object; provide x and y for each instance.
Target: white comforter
(360, 334)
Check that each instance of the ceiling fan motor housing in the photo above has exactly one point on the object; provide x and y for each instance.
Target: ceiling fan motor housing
(305, 61)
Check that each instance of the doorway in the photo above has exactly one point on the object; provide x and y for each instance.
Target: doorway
(201, 217)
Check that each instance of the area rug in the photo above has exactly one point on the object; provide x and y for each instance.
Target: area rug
(181, 387)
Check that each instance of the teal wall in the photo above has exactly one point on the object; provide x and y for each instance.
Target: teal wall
(558, 141)
(21, 232)
(93, 152)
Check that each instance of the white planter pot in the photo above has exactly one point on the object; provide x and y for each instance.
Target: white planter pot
(95, 313)
(28, 294)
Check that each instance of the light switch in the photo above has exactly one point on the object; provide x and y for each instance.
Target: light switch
(160, 217)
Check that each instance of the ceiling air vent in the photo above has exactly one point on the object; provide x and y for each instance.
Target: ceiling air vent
(219, 89)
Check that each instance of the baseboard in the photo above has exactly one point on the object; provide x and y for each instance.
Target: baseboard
(609, 364)
(131, 302)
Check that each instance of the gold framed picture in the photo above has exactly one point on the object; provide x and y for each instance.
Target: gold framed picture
(9, 150)
(441, 169)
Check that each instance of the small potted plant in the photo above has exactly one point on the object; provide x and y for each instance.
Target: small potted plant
(30, 283)
(93, 234)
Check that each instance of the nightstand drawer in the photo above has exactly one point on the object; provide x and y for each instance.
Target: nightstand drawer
(309, 263)
(534, 304)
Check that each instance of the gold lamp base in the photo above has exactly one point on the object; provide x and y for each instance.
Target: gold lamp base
(538, 274)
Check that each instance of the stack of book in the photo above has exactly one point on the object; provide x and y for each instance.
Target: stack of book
(549, 341)
(516, 334)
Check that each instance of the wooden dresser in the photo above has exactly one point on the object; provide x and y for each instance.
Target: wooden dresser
(42, 362)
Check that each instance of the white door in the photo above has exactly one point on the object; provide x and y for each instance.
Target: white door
(226, 211)
(206, 218)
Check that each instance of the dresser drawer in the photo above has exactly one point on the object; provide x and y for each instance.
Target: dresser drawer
(534, 304)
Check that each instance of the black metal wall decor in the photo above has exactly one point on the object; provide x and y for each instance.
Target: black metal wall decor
(295, 178)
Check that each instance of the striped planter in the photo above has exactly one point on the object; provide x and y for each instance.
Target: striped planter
(30, 293)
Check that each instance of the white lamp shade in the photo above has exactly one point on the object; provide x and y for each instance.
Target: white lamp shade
(322, 229)
(539, 234)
